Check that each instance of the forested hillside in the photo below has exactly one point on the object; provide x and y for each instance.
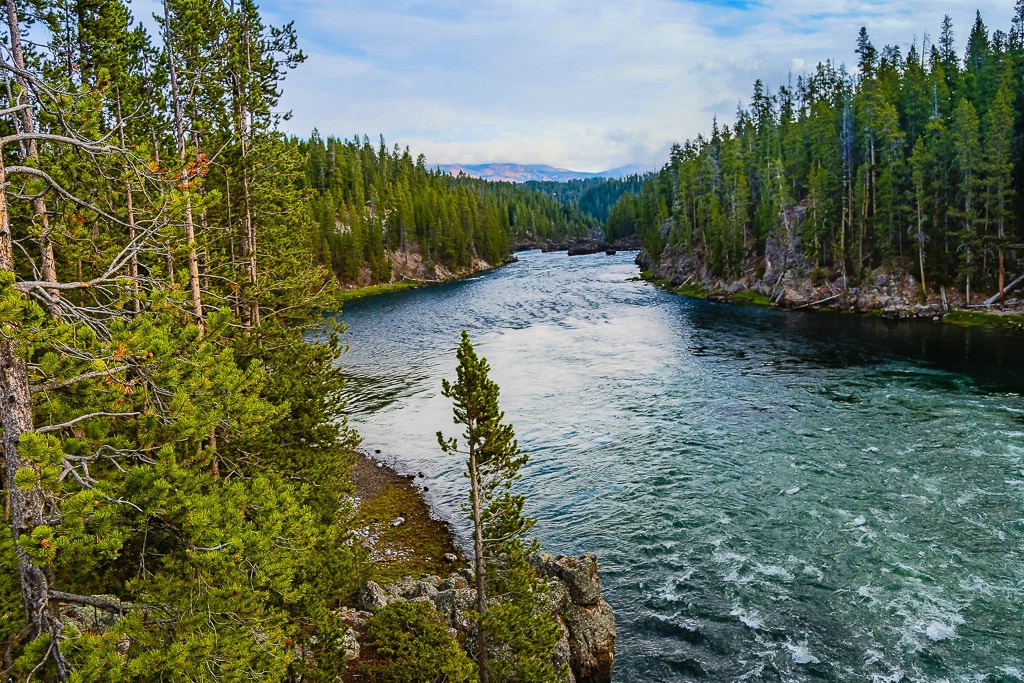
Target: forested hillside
(594, 196)
(374, 206)
(912, 163)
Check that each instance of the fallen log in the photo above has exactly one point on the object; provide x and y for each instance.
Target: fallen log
(818, 303)
(1006, 290)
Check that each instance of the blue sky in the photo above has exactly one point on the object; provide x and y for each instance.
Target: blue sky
(582, 84)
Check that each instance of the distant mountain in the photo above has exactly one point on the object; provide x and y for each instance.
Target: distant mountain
(628, 170)
(521, 173)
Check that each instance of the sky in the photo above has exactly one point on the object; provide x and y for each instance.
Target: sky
(581, 84)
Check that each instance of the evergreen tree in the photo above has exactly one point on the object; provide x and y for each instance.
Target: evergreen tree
(847, 168)
(513, 626)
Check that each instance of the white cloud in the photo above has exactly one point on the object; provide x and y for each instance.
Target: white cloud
(586, 84)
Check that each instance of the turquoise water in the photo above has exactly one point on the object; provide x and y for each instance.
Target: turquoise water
(771, 496)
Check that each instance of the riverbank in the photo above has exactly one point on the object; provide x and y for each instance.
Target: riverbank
(395, 525)
(409, 271)
(409, 550)
(772, 283)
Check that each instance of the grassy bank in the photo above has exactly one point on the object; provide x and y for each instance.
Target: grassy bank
(751, 298)
(1003, 321)
(374, 290)
(394, 524)
(698, 291)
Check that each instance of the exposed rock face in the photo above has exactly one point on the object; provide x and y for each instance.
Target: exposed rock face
(589, 620)
(591, 641)
(577, 574)
(574, 597)
(789, 280)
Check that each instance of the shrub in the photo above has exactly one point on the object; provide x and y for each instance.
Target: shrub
(412, 646)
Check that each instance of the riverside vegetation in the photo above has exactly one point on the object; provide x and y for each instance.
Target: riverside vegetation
(176, 471)
(898, 187)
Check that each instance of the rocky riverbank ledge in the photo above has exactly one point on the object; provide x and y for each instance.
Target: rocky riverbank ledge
(587, 622)
(784, 278)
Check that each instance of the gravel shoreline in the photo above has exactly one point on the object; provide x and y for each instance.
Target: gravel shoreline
(395, 525)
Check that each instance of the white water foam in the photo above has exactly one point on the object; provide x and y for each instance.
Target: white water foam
(749, 619)
(937, 631)
(774, 571)
(801, 654)
(815, 572)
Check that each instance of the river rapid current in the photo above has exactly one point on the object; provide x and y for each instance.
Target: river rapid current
(771, 496)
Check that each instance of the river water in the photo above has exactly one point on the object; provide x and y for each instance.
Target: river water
(771, 496)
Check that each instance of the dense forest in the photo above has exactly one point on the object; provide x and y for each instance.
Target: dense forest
(912, 163)
(371, 202)
(595, 197)
(175, 466)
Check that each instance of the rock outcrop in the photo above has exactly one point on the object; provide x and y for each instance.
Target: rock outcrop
(574, 598)
(787, 279)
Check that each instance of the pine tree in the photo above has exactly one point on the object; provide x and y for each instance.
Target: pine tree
(493, 464)
(997, 167)
(967, 159)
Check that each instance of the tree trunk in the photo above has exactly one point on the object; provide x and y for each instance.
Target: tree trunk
(133, 263)
(47, 262)
(179, 131)
(27, 506)
(478, 550)
(920, 249)
(1002, 276)
(250, 229)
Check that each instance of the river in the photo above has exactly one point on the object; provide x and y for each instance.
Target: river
(771, 496)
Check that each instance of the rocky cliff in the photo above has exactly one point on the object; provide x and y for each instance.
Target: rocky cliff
(785, 278)
(574, 598)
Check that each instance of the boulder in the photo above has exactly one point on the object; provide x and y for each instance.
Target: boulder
(591, 641)
(349, 645)
(455, 581)
(455, 604)
(372, 598)
(409, 588)
(573, 598)
(579, 574)
(557, 597)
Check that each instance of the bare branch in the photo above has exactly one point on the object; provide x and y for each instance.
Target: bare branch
(65, 425)
(12, 110)
(91, 601)
(75, 380)
(30, 170)
(63, 139)
(209, 550)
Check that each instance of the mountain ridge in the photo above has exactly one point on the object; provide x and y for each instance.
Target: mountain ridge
(521, 173)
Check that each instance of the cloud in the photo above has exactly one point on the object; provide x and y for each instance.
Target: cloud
(585, 84)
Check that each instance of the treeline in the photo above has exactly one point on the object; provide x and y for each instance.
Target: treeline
(174, 467)
(369, 201)
(595, 197)
(913, 163)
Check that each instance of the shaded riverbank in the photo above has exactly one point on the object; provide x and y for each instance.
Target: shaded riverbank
(782, 279)
(410, 271)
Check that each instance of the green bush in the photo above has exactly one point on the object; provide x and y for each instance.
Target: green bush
(412, 646)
